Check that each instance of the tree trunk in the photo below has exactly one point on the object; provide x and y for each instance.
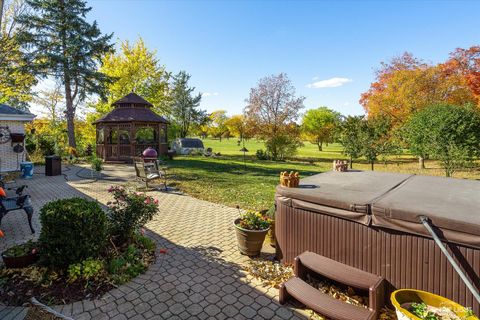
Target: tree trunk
(351, 162)
(1, 11)
(320, 146)
(372, 163)
(421, 162)
(70, 113)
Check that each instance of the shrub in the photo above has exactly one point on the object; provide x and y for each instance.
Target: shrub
(261, 155)
(96, 163)
(46, 145)
(127, 266)
(72, 231)
(129, 211)
(281, 146)
(87, 269)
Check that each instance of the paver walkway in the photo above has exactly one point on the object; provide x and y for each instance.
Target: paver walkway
(200, 276)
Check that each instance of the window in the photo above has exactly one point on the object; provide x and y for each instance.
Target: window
(119, 136)
(145, 135)
(124, 137)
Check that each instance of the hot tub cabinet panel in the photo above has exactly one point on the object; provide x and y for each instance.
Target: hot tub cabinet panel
(404, 259)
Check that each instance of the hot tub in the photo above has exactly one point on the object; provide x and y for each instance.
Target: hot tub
(370, 220)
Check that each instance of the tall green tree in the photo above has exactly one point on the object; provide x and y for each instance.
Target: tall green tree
(319, 125)
(135, 68)
(448, 133)
(16, 80)
(375, 139)
(218, 124)
(184, 111)
(61, 44)
(351, 137)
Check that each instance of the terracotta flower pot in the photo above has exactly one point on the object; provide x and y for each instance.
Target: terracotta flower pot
(250, 242)
(20, 262)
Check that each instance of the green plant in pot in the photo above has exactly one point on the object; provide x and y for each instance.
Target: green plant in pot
(21, 256)
(251, 229)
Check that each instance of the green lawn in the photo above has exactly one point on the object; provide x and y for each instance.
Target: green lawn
(227, 181)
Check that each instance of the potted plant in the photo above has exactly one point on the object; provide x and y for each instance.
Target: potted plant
(21, 256)
(97, 166)
(422, 305)
(251, 229)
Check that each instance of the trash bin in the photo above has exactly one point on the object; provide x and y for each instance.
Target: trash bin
(53, 165)
(27, 169)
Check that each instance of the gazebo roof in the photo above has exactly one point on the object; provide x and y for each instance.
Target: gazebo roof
(132, 99)
(131, 108)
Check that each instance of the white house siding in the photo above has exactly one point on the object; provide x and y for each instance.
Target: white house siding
(8, 158)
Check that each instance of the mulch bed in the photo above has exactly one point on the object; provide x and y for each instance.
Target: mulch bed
(17, 286)
(17, 290)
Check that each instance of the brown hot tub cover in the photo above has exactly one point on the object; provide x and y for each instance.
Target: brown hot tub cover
(453, 206)
(343, 194)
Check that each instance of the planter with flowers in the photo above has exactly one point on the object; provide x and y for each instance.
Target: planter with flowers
(21, 256)
(251, 229)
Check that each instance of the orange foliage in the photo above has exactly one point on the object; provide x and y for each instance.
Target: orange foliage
(406, 85)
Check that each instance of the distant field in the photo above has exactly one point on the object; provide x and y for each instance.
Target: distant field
(225, 179)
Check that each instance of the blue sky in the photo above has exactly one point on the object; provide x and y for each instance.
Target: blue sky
(228, 45)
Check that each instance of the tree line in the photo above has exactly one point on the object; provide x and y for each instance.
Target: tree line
(430, 109)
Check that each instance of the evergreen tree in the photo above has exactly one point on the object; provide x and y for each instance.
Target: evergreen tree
(16, 81)
(60, 43)
(184, 109)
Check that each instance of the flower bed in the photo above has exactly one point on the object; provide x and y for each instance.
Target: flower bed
(107, 249)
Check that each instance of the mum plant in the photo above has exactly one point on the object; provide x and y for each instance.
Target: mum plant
(253, 220)
(129, 212)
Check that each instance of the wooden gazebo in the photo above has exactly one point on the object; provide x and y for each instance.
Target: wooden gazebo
(130, 128)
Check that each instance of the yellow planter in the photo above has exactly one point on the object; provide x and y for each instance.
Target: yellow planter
(399, 297)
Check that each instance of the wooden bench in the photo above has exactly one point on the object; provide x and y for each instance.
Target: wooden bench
(324, 304)
(20, 202)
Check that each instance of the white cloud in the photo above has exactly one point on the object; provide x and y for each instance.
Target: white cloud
(315, 78)
(329, 83)
(209, 94)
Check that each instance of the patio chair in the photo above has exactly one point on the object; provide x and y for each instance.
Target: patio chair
(18, 202)
(39, 311)
(147, 171)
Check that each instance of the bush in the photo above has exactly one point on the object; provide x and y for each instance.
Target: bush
(129, 211)
(46, 145)
(72, 231)
(87, 269)
(261, 155)
(282, 146)
(96, 163)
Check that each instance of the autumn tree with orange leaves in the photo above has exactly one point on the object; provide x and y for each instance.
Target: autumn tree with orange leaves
(406, 85)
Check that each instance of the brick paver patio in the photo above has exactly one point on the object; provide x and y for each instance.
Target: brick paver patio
(201, 275)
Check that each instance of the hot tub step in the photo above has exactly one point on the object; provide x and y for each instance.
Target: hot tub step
(322, 303)
(336, 271)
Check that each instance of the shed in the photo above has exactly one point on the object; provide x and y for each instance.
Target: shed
(12, 136)
(187, 145)
(130, 128)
